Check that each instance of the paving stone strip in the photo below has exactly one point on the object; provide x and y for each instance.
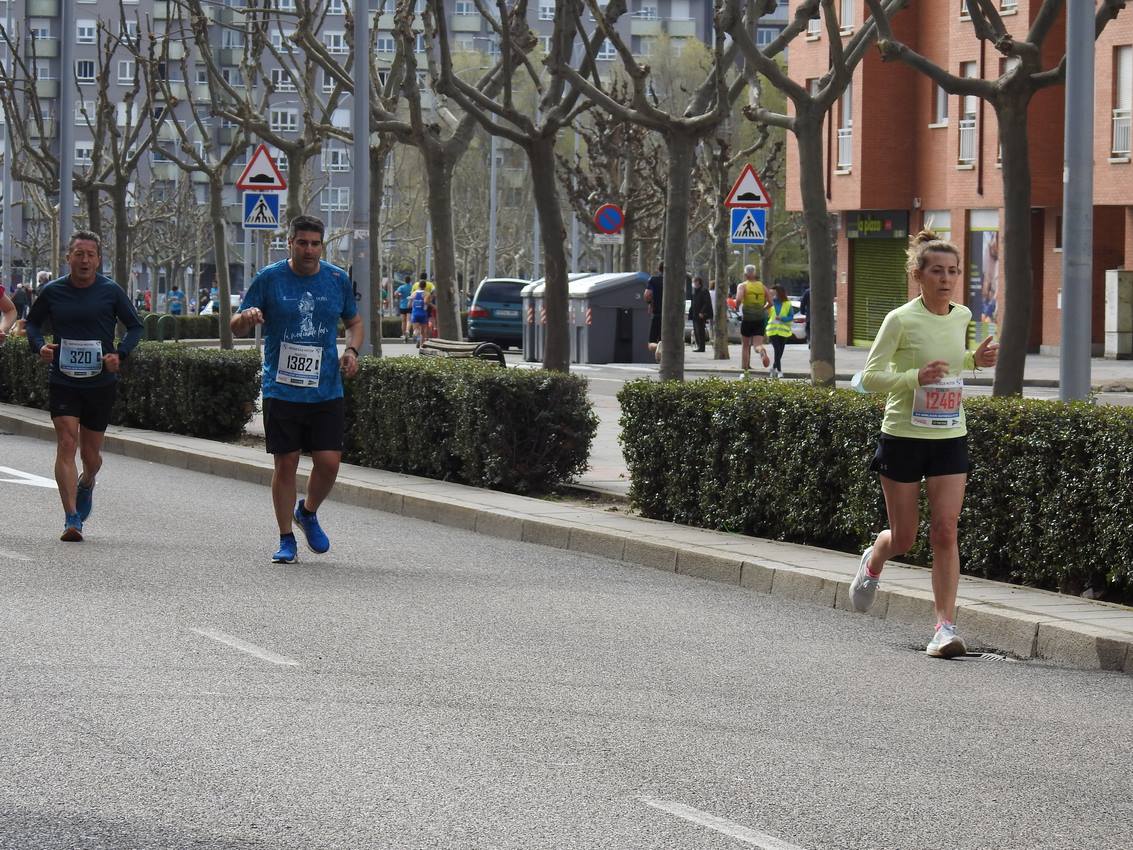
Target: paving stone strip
(1018, 621)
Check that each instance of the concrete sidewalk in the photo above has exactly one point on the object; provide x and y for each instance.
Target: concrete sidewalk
(1020, 622)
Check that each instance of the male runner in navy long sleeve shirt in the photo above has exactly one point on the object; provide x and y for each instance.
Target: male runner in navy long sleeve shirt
(84, 309)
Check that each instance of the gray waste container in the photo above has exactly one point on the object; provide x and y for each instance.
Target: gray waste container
(613, 319)
(535, 319)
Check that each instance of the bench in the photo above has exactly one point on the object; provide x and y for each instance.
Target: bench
(456, 348)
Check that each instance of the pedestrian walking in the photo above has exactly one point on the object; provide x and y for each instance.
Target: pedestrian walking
(21, 298)
(299, 301)
(917, 358)
(751, 295)
(700, 312)
(419, 311)
(84, 308)
(9, 315)
(779, 327)
(654, 293)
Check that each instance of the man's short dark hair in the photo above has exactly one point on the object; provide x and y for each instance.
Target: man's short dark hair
(306, 223)
(85, 236)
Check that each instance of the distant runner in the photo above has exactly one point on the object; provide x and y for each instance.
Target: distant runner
(84, 309)
(299, 301)
(918, 358)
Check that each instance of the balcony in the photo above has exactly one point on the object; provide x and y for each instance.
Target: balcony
(49, 131)
(967, 141)
(646, 26)
(43, 48)
(845, 148)
(681, 28)
(42, 8)
(46, 89)
(467, 23)
(1121, 128)
(164, 170)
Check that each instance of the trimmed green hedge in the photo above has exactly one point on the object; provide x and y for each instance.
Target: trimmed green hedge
(208, 327)
(469, 421)
(1048, 501)
(163, 387)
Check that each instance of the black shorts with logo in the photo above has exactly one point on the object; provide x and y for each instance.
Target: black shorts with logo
(91, 405)
(294, 426)
(908, 459)
(753, 327)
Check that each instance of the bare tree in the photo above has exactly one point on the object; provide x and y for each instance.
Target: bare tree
(1010, 96)
(708, 107)
(810, 108)
(536, 134)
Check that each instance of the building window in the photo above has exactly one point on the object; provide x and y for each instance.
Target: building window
(464, 7)
(968, 108)
(335, 199)
(232, 40)
(846, 129)
(84, 153)
(328, 83)
(648, 11)
(1009, 6)
(335, 42)
(846, 16)
(546, 11)
(336, 159)
(281, 80)
(284, 120)
(335, 7)
(286, 5)
(281, 40)
(84, 71)
(84, 112)
(1122, 99)
(764, 36)
(814, 27)
(607, 51)
(86, 32)
(386, 44)
(940, 107)
(964, 16)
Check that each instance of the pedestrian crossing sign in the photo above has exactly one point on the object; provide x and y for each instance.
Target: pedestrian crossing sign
(261, 211)
(749, 225)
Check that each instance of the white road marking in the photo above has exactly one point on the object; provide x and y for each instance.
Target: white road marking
(25, 478)
(244, 646)
(721, 825)
(4, 553)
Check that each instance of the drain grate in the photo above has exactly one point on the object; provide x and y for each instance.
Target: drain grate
(977, 654)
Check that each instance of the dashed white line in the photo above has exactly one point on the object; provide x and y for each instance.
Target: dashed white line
(245, 646)
(721, 825)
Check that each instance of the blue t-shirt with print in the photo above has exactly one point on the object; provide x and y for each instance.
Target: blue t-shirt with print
(403, 293)
(303, 311)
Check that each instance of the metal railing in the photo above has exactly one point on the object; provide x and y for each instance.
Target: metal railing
(1121, 132)
(967, 141)
(845, 147)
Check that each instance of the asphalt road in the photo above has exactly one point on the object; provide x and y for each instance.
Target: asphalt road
(163, 686)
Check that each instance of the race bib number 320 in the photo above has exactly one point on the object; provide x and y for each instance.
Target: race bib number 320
(938, 405)
(80, 358)
(299, 365)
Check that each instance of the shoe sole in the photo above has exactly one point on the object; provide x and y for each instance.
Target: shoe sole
(276, 560)
(72, 535)
(949, 650)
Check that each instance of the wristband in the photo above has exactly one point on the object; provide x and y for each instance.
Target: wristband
(351, 348)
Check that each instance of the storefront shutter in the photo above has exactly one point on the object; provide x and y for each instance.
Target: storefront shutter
(878, 286)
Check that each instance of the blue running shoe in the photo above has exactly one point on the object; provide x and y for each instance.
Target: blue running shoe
(84, 500)
(72, 529)
(317, 540)
(288, 550)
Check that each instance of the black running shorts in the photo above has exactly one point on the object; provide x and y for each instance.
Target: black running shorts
(753, 327)
(293, 426)
(908, 459)
(91, 405)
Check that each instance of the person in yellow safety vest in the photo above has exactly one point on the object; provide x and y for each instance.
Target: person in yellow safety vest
(751, 295)
(779, 327)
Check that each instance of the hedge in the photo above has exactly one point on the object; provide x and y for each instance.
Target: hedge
(1047, 502)
(208, 327)
(469, 421)
(163, 387)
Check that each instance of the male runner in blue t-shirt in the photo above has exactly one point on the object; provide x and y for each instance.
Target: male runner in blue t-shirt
(404, 292)
(84, 309)
(299, 302)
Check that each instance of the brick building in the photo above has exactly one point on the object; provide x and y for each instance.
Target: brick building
(902, 154)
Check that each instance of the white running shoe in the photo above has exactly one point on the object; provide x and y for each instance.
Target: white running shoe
(863, 589)
(946, 643)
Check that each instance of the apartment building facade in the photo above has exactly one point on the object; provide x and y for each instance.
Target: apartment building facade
(903, 154)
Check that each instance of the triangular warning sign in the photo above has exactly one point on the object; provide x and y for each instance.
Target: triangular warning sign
(748, 228)
(261, 173)
(748, 191)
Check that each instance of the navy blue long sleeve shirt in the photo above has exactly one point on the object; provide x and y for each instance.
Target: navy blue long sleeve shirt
(80, 314)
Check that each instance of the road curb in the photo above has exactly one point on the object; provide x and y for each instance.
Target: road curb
(991, 615)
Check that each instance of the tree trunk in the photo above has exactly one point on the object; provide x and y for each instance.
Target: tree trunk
(681, 148)
(377, 189)
(629, 226)
(1014, 248)
(556, 340)
(720, 254)
(808, 135)
(296, 162)
(220, 255)
(438, 173)
(94, 214)
(121, 237)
